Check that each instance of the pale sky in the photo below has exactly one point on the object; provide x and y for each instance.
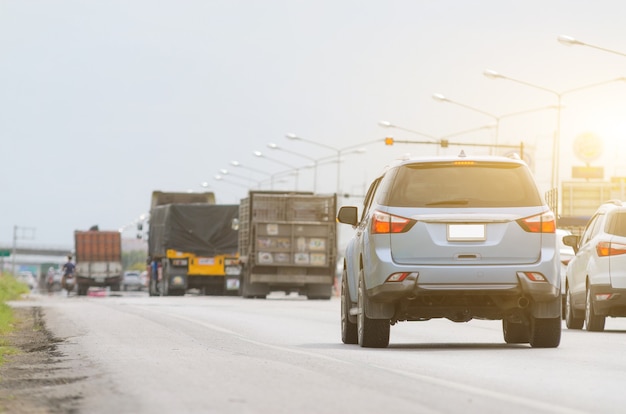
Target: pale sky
(102, 102)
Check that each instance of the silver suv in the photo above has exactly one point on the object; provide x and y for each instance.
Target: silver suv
(457, 238)
(596, 276)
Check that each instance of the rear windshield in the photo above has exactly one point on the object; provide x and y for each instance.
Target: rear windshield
(474, 184)
(617, 224)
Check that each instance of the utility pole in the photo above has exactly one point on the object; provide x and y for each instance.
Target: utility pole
(26, 233)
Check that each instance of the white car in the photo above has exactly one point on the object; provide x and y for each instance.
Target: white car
(596, 276)
(28, 279)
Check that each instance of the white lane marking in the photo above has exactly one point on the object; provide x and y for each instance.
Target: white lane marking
(427, 379)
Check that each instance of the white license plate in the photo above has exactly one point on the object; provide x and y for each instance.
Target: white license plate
(466, 232)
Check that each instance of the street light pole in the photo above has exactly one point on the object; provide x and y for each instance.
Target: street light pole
(492, 74)
(387, 124)
(570, 41)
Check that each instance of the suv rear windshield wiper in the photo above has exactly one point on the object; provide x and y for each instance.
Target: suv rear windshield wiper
(457, 202)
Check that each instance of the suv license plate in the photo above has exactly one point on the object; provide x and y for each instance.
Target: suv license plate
(466, 232)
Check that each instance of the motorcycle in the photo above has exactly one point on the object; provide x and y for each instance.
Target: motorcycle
(68, 282)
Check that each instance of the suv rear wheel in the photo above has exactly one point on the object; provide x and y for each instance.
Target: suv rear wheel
(545, 332)
(515, 332)
(372, 333)
(349, 334)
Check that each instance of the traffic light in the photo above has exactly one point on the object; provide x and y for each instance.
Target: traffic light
(389, 141)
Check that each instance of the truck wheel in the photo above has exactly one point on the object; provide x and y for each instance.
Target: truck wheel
(545, 332)
(165, 288)
(349, 333)
(319, 292)
(372, 333)
(515, 333)
(252, 290)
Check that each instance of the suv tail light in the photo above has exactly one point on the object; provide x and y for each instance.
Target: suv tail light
(386, 223)
(541, 223)
(610, 249)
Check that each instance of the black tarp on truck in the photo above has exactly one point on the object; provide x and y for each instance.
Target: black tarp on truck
(195, 245)
(202, 229)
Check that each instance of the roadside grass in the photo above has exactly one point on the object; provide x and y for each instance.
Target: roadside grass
(10, 289)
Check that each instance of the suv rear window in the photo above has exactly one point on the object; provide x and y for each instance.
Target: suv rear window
(463, 184)
(617, 224)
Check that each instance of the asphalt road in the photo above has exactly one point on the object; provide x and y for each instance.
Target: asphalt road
(206, 354)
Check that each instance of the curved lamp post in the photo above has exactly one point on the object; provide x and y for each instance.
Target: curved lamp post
(492, 74)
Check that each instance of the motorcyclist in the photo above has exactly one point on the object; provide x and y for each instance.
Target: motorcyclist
(50, 279)
(68, 273)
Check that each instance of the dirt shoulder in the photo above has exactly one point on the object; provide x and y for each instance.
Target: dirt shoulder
(40, 378)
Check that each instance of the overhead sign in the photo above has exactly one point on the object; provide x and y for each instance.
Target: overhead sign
(588, 172)
(5, 253)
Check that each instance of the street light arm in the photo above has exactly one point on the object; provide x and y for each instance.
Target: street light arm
(387, 124)
(570, 41)
(310, 141)
(441, 98)
(492, 74)
(261, 155)
(239, 165)
(593, 85)
(528, 111)
(276, 147)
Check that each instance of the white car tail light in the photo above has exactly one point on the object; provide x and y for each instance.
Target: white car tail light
(610, 249)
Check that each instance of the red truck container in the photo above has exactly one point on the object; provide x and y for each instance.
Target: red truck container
(98, 259)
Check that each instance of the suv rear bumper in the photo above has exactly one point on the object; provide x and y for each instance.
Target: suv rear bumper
(615, 305)
(412, 300)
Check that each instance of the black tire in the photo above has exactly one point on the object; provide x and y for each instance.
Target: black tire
(371, 333)
(545, 332)
(82, 290)
(349, 332)
(593, 321)
(515, 332)
(252, 290)
(152, 288)
(571, 321)
(319, 292)
(165, 284)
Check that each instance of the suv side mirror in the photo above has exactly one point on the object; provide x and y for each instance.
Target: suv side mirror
(572, 241)
(348, 215)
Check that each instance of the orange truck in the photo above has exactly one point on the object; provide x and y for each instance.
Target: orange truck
(98, 259)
